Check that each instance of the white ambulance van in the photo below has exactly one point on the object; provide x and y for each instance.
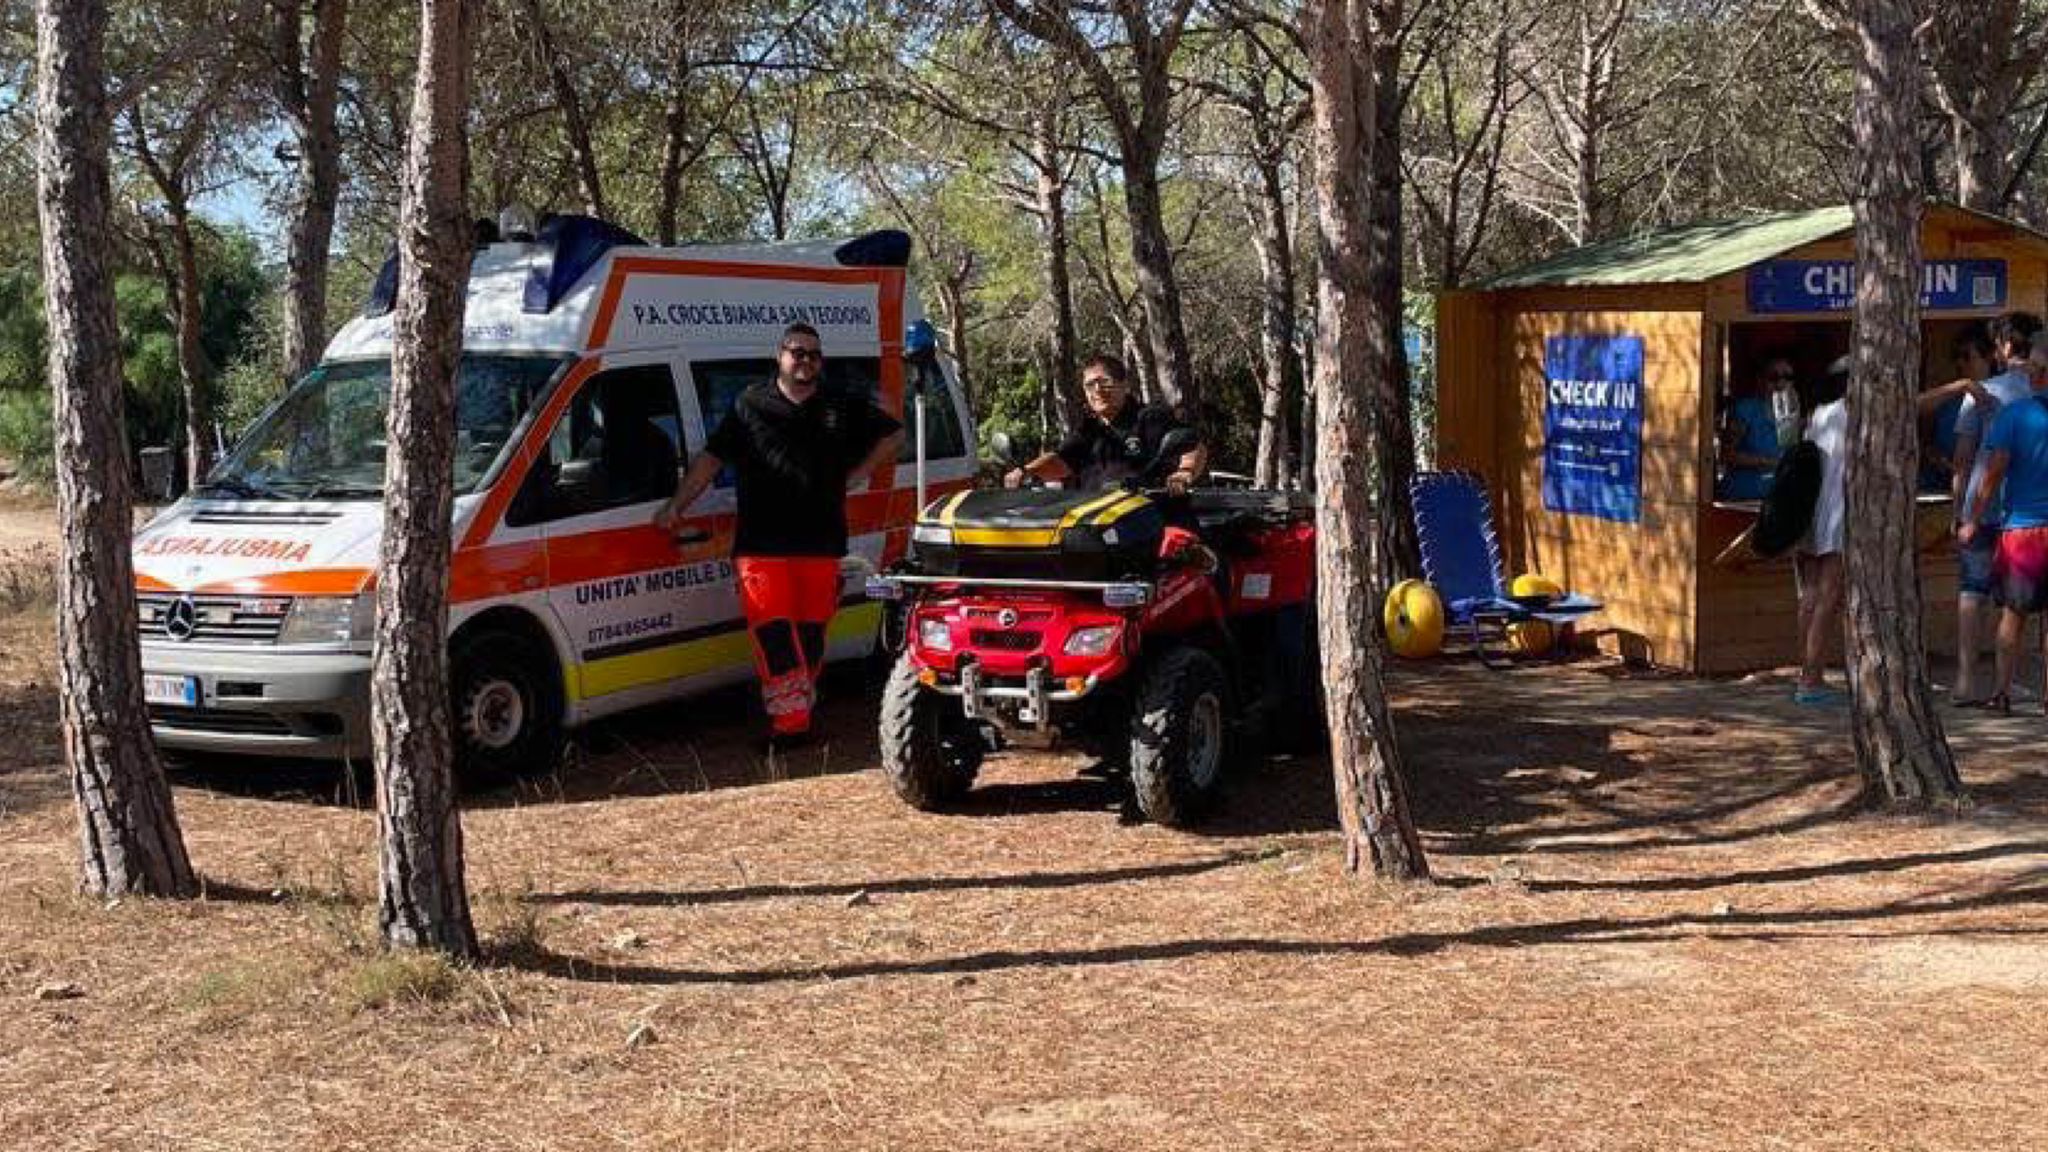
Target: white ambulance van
(593, 365)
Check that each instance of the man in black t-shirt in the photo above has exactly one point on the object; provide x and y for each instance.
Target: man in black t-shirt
(794, 448)
(1119, 440)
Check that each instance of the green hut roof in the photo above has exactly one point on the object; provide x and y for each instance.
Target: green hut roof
(1695, 253)
(1689, 254)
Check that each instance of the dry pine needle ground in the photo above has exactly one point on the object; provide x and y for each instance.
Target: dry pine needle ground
(1659, 923)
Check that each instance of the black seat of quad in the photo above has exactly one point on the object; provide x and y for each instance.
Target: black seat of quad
(1043, 534)
(1224, 517)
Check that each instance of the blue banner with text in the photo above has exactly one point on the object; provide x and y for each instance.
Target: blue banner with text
(1779, 286)
(1593, 426)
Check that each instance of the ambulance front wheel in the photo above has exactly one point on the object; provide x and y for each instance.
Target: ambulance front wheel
(930, 752)
(507, 707)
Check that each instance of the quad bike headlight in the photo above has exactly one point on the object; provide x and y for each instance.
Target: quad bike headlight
(931, 534)
(933, 632)
(1093, 641)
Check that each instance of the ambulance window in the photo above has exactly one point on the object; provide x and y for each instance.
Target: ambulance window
(618, 443)
(858, 376)
(944, 439)
(719, 384)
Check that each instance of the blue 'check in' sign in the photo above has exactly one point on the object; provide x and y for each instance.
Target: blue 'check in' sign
(1778, 286)
(1593, 426)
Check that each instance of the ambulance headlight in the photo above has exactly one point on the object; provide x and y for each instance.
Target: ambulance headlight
(932, 534)
(330, 620)
(934, 633)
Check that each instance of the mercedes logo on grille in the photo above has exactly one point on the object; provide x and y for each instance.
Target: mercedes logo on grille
(181, 618)
(1007, 618)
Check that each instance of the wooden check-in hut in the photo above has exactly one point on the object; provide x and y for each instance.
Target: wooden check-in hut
(1587, 389)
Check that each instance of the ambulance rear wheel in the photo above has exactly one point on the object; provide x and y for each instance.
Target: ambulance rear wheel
(1180, 734)
(930, 752)
(507, 700)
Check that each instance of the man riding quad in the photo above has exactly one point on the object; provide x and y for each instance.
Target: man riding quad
(1120, 438)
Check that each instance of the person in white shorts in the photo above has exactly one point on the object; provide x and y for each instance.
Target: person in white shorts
(1817, 564)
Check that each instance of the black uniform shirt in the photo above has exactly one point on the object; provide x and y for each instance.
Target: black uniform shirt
(790, 463)
(1102, 452)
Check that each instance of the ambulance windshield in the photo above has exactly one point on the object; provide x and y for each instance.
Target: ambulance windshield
(325, 439)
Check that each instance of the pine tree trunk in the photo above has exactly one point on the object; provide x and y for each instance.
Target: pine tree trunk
(1280, 368)
(576, 130)
(422, 901)
(1982, 167)
(675, 128)
(189, 307)
(1900, 746)
(953, 299)
(310, 231)
(1396, 553)
(1059, 284)
(129, 838)
(1372, 803)
(1158, 287)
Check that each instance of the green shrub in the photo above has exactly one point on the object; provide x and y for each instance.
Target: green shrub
(27, 435)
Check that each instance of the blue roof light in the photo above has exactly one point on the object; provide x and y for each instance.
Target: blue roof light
(887, 248)
(573, 245)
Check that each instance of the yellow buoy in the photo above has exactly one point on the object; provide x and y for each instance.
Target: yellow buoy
(1533, 637)
(1414, 617)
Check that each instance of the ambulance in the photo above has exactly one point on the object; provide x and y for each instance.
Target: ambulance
(593, 366)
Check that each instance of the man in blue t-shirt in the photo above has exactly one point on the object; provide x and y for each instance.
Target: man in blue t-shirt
(2012, 336)
(2017, 465)
(1756, 430)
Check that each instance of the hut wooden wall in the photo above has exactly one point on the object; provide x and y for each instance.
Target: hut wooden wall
(1467, 383)
(1646, 572)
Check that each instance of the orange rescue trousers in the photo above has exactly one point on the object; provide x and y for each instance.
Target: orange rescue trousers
(788, 601)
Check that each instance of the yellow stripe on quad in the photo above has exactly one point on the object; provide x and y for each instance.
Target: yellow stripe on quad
(947, 505)
(1115, 512)
(1035, 537)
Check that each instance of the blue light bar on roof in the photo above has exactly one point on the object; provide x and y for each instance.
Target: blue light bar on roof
(384, 293)
(887, 248)
(571, 246)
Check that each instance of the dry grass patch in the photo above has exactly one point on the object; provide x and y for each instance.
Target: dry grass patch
(1658, 923)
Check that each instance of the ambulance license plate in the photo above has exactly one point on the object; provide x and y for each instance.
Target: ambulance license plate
(180, 690)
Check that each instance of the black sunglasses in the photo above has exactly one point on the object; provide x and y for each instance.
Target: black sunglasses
(804, 353)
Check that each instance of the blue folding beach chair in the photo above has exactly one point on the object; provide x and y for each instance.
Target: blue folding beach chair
(1461, 560)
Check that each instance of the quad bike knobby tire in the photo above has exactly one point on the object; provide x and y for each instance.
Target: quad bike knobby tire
(1180, 724)
(929, 751)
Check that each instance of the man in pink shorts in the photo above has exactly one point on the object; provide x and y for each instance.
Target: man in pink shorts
(2018, 443)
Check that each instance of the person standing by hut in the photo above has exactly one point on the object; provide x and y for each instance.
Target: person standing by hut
(1817, 565)
(2012, 336)
(2016, 470)
(1759, 426)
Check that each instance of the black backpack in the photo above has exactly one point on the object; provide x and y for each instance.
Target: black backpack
(1788, 507)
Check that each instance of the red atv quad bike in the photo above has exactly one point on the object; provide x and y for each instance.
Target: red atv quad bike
(1166, 635)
